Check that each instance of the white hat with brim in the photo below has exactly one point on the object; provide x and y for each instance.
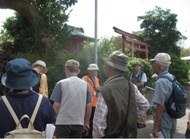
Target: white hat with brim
(40, 63)
(162, 57)
(93, 67)
(117, 60)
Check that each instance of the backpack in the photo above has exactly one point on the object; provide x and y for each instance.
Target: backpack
(21, 132)
(176, 104)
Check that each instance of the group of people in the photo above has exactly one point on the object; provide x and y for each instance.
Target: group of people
(80, 106)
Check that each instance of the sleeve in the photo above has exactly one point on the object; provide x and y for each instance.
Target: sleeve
(131, 77)
(99, 121)
(57, 93)
(142, 103)
(89, 97)
(144, 78)
(43, 85)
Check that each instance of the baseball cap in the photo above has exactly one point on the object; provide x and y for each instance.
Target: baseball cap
(162, 57)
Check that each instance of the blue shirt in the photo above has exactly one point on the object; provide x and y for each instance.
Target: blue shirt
(163, 90)
(25, 104)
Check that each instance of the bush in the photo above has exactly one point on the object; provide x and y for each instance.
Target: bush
(179, 69)
(146, 68)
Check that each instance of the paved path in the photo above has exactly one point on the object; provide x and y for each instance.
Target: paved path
(180, 130)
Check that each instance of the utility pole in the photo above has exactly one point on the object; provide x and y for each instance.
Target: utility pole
(95, 43)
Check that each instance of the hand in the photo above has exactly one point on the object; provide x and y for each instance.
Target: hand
(188, 125)
(86, 127)
(154, 132)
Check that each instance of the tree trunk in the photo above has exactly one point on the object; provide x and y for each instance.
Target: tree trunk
(24, 8)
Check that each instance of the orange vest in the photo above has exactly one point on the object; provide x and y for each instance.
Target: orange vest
(94, 98)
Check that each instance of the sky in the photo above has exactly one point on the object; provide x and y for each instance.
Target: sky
(121, 14)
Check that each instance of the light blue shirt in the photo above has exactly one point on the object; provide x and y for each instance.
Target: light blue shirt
(163, 90)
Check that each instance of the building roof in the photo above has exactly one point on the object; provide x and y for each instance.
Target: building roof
(186, 58)
(75, 31)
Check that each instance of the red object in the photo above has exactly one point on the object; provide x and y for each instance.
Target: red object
(132, 42)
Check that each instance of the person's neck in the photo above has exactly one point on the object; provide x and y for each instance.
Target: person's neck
(114, 74)
(22, 92)
(73, 73)
(137, 71)
(92, 77)
(159, 72)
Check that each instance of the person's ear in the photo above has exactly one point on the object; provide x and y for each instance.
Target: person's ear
(78, 72)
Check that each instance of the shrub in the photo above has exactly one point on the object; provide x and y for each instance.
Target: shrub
(179, 69)
(146, 68)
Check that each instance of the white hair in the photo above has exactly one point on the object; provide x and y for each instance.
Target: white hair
(163, 66)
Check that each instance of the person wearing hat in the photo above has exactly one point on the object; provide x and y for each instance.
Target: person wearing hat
(42, 86)
(19, 78)
(72, 103)
(93, 82)
(114, 104)
(139, 79)
(162, 120)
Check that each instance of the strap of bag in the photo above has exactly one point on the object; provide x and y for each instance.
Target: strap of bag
(36, 108)
(12, 112)
(93, 83)
(168, 78)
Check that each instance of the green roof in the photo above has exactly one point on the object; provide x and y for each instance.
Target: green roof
(75, 31)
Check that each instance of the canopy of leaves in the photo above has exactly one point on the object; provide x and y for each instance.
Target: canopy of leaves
(160, 31)
(37, 29)
(179, 69)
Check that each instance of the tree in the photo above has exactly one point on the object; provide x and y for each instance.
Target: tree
(160, 31)
(185, 52)
(39, 23)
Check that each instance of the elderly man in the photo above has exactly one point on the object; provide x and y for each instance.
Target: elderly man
(72, 103)
(162, 120)
(93, 82)
(139, 79)
(116, 111)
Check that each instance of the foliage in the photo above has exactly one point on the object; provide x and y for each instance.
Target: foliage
(4, 58)
(160, 31)
(46, 34)
(179, 69)
(146, 68)
(105, 47)
(185, 52)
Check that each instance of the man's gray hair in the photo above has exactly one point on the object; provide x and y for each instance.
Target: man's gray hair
(163, 66)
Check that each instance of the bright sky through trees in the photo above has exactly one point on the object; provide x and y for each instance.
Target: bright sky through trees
(121, 14)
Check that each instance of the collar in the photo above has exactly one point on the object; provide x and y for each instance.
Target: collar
(137, 73)
(73, 75)
(116, 77)
(163, 73)
(14, 95)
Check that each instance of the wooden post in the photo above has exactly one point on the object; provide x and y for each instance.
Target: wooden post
(138, 52)
(146, 53)
(123, 44)
(132, 45)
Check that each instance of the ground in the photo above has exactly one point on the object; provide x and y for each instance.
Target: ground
(180, 130)
(181, 123)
